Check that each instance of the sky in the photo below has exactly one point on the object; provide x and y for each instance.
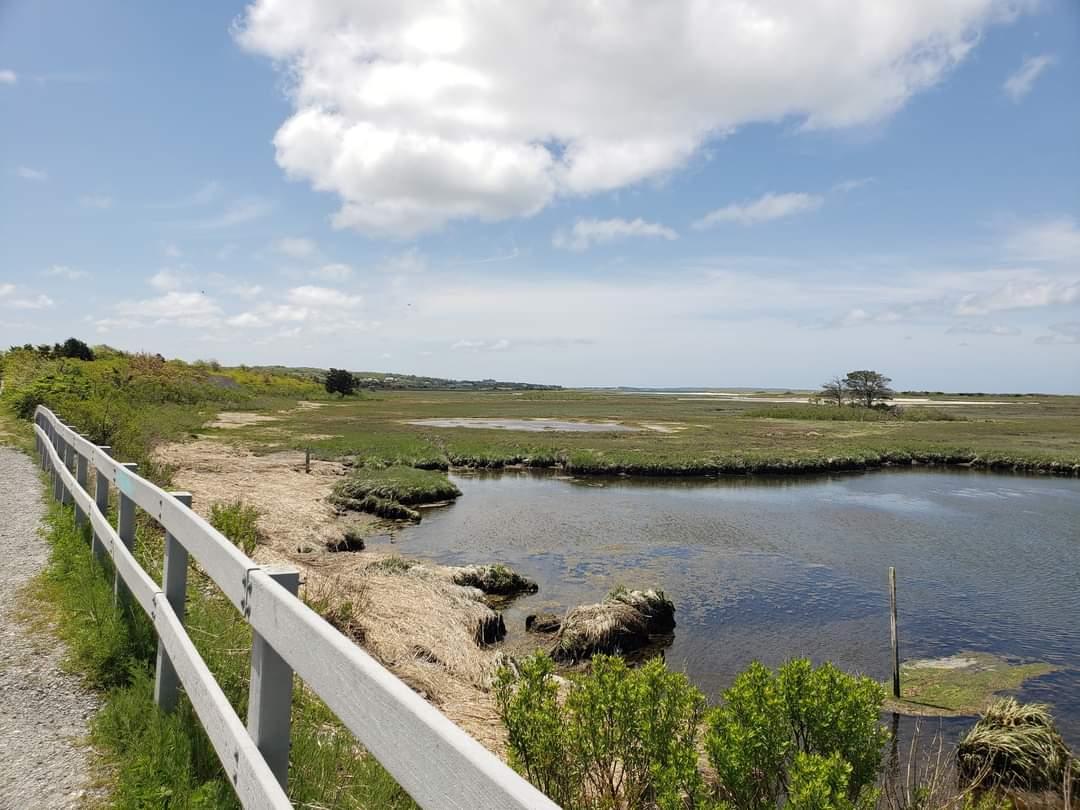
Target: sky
(754, 193)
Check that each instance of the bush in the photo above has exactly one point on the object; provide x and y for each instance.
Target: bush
(767, 719)
(237, 521)
(622, 738)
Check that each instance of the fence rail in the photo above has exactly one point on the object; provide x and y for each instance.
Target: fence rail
(435, 761)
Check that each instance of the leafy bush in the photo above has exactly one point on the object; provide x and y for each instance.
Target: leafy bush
(621, 739)
(239, 522)
(767, 719)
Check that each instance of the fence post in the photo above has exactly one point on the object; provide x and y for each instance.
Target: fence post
(69, 462)
(270, 695)
(125, 528)
(80, 476)
(101, 498)
(58, 484)
(174, 586)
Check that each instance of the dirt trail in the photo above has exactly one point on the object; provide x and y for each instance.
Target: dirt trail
(43, 711)
(415, 621)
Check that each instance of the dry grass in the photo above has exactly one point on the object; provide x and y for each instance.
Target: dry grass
(607, 627)
(410, 616)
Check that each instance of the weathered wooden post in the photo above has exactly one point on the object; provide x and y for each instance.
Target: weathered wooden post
(125, 528)
(174, 586)
(895, 641)
(270, 695)
(101, 498)
(307, 459)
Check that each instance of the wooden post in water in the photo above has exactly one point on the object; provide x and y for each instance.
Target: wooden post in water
(892, 627)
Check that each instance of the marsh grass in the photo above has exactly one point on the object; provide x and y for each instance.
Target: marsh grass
(391, 492)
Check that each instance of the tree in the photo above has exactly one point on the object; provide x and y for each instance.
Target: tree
(834, 390)
(75, 348)
(340, 381)
(868, 387)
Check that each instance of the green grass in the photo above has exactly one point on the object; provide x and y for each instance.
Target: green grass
(239, 522)
(947, 689)
(154, 760)
(831, 413)
(707, 436)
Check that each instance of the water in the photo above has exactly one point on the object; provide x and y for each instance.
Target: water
(770, 568)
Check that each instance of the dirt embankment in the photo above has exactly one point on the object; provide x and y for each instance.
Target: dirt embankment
(412, 618)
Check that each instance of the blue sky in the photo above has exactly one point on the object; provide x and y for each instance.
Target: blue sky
(720, 194)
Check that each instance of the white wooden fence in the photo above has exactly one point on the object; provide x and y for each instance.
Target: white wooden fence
(436, 762)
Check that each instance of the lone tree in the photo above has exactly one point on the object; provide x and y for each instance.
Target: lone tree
(73, 347)
(868, 387)
(834, 390)
(340, 381)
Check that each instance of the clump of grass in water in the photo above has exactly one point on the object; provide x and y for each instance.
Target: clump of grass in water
(1016, 745)
(497, 579)
(239, 522)
(390, 491)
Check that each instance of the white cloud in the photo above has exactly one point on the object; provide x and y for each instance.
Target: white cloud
(183, 308)
(1052, 240)
(420, 113)
(245, 320)
(764, 209)
(8, 77)
(1020, 294)
(65, 272)
(333, 272)
(997, 330)
(166, 280)
(27, 173)
(6, 290)
(323, 298)
(296, 247)
(37, 302)
(408, 261)
(98, 201)
(1019, 84)
(588, 232)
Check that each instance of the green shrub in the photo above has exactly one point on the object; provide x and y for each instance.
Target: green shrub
(767, 719)
(622, 738)
(239, 522)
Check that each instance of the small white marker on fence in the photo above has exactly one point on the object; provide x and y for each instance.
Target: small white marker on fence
(174, 585)
(125, 529)
(270, 695)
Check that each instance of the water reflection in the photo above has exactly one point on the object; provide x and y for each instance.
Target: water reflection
(768, 567)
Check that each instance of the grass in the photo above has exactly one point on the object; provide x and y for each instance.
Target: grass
(152, 759)
(389, 492)
(963, 684)
(705, 436)
(239, 522)
(831, 413)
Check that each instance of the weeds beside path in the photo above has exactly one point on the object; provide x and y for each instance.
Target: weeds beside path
(44, 711)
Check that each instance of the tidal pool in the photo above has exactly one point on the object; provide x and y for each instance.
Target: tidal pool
(538, 425)
(768, 568)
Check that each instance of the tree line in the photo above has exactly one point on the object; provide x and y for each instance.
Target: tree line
(863, 388)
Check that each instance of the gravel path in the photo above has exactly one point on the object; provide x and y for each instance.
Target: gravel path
(43, 712)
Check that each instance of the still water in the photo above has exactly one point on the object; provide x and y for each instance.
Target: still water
(770, 568)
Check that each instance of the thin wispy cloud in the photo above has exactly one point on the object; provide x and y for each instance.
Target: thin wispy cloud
(65, 272)
(238, 212)
(853, 185)
(204, 195)
(1019, 84)
(100, 202)
(586, 232)
(296, 247)
(766, 208)
(34, 175)
(8, 77)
